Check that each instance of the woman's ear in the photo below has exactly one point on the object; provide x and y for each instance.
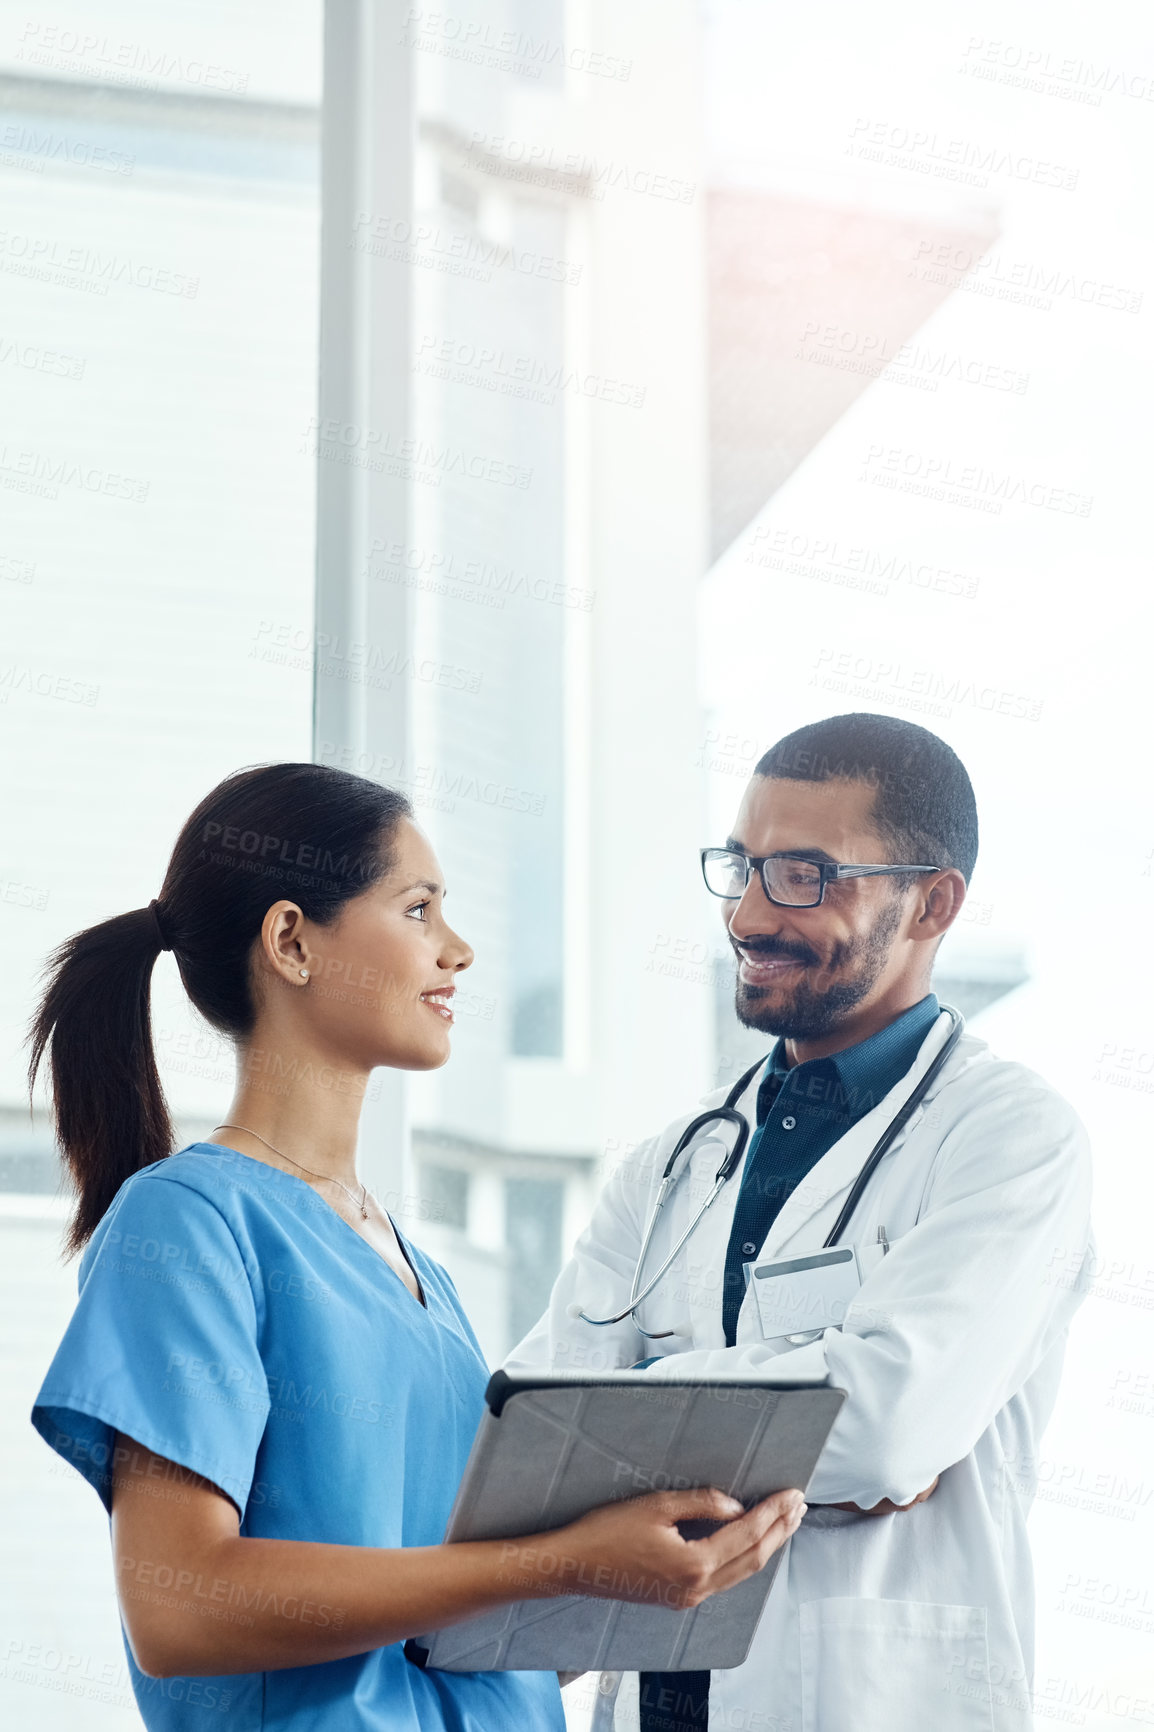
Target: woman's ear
(283, 946)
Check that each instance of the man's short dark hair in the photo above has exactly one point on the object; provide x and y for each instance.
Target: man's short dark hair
(924, 809)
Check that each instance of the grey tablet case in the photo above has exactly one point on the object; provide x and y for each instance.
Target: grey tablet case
(551, 1447)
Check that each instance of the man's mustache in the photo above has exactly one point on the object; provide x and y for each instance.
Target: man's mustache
(774, 950)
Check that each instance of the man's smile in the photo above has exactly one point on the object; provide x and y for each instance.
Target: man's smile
(761, 968)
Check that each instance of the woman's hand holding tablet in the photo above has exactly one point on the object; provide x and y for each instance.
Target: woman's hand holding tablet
(636, 1551)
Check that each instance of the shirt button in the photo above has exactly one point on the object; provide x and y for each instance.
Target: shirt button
(748, 1248)
(788, 1123)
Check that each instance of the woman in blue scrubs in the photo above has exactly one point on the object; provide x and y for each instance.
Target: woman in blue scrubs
(273, 1393)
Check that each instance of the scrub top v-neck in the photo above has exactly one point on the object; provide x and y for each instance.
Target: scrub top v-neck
(231, 1321)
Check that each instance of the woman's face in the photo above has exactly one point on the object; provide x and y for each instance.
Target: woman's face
(382, 975)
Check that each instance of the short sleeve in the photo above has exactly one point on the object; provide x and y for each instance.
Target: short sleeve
(163, 1344)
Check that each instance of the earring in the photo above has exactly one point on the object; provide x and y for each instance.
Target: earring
(304, 973)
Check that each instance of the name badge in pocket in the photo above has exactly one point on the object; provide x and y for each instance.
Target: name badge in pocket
(803, 1296)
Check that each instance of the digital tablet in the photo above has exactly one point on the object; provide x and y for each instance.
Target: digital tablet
(551, 1447)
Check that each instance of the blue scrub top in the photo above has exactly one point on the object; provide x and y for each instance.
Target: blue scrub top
(233, 1323)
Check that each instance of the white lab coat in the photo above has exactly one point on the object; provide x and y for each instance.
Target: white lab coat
(951, 1355)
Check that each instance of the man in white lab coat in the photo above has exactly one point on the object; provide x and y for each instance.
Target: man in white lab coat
(905, 1601)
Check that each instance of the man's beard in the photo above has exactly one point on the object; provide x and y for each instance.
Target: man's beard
(809, 1014)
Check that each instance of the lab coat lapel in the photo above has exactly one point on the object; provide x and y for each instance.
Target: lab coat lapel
(833, 1175)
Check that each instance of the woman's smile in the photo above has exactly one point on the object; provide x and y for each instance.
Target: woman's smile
(439, 1000)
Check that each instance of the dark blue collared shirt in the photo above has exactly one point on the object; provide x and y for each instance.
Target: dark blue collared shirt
(802, 1110)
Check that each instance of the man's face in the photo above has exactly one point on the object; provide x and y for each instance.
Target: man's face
(802, 972)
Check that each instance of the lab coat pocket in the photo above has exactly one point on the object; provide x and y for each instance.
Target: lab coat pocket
(894, 1666)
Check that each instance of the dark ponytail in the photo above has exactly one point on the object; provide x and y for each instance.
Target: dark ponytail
(111, 1115)
(305, 833)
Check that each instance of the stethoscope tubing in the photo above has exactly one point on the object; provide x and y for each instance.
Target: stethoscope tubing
(728, 1113)
(636, 1298)
(897, 1124)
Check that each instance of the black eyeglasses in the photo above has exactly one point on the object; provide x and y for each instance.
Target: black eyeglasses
(790, 880)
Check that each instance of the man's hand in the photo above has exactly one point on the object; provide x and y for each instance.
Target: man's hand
(886, 1507)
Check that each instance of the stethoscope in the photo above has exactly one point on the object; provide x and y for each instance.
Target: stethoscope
(728, 1114)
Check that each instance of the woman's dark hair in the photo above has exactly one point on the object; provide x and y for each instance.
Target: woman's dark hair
(304, 833)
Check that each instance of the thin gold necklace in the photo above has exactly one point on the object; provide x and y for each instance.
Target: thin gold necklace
(326, 1176)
